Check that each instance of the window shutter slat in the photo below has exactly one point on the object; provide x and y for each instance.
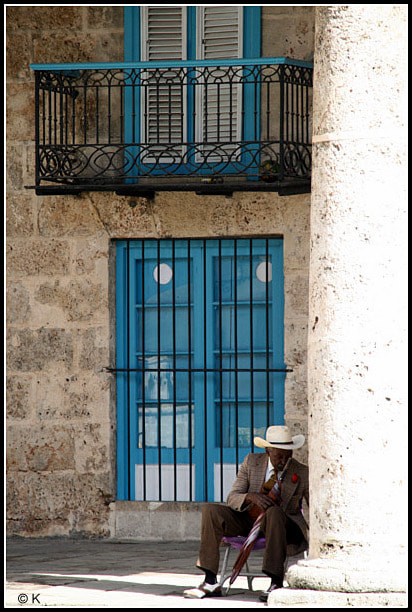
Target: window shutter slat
(220, 37)
(164, 38)
(221, 23)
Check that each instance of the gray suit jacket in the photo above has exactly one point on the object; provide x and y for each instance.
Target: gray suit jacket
(250, 478)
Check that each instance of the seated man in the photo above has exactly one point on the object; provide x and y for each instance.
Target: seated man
(283, 526)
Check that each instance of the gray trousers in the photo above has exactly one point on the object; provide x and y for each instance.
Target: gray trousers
(219, 520)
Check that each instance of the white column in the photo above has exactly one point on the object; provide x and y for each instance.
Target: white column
(357, 371)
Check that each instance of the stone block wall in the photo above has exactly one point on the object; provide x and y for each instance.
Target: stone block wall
(61, 413)
(60, 454)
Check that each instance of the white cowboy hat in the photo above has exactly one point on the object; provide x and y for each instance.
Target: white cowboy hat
(279, 436)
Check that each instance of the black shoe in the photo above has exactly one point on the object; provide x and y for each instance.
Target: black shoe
(264, 596)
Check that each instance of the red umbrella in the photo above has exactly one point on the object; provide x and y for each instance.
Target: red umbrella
(244, 553)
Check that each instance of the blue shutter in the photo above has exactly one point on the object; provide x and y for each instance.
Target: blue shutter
(219, 114)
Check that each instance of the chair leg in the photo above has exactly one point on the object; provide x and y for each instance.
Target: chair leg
(224, 577)
(224, 566)
(249, 578)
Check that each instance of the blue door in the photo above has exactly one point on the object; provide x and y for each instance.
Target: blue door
(200, 366)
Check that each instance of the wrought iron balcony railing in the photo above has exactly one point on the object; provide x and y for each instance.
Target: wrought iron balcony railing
(208, 126)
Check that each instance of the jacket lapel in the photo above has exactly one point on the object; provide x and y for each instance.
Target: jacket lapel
(288, 486)
(261, 470)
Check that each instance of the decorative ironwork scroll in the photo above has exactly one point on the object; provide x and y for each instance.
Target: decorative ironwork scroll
(243, 123)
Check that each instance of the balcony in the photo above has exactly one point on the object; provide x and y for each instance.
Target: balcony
(212, 127)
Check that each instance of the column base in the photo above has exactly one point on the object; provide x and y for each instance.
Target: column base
(349, 575)
(302, 598)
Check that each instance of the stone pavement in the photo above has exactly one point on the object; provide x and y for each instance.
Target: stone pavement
(95, 573)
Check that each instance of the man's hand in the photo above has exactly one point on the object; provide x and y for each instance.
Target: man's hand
(259, 499)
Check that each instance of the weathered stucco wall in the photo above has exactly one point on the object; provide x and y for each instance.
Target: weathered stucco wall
(60, 410)
(60, 425)
(288, 31)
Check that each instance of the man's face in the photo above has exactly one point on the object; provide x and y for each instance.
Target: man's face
(278, 457)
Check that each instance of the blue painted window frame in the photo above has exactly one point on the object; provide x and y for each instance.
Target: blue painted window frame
(251, 49)
(129, 253)
(251, 32)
